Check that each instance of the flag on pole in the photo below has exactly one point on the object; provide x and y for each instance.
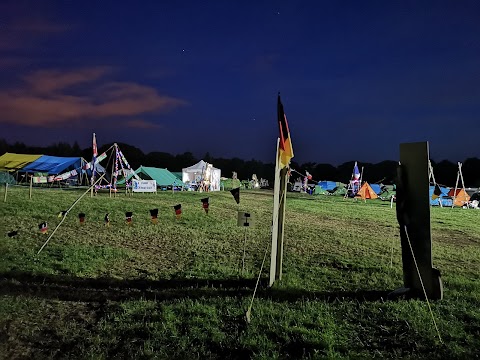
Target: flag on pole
(236, 194)
(205, 204)
(356, 172)
(436, 192)
(285, 146)
(94, 157)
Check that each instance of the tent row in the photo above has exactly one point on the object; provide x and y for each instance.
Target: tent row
(44, 166)
(202, 174)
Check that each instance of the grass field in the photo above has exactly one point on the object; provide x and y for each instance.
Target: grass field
(176, 290)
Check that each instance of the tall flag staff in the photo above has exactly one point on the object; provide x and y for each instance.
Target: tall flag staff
(282, 165)
(284, 156)
(94, 160)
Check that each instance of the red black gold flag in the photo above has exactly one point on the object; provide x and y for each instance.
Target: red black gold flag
(436, 192)
(205, 204)
(81, 218)
(178, 210)
(43, 227)
(236, 194)
(285, 147)
(128, 217)
(154, 215)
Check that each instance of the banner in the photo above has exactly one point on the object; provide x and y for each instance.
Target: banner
(144, 186)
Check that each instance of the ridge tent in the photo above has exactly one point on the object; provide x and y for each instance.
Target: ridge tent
(14, 162)
(366, 192)
(460, 198)
(163, 177)
(377, 188)
(319, 190)
(328, 185)
(202, 172)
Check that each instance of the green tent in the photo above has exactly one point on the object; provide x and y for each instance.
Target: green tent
(6, 178)
(163, 177)
(319, 190)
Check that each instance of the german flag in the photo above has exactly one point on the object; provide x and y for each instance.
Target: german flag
(285, 146)
(436, 192)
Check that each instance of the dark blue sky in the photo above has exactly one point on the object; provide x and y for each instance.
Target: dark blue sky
(356, 78)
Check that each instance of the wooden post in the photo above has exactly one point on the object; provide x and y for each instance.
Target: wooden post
(31, 186)
(456, 183)
(6, 190)
(413, 215)
(279, 198)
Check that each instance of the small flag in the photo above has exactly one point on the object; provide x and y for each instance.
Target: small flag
(436, 192)
(81, 218)
(154, 215)
(285, 145)
(236, 194)
(128, 217)
(12, 233)
(205, 204)
(178, 210)
(62, 213)
(106, 219)
(244, 219)
(43, 227)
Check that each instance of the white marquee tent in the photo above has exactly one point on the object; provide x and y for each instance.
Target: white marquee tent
(202, 171)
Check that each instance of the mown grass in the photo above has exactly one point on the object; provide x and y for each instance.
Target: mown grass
(176, 289)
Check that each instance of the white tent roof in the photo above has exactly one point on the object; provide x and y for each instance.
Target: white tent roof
(198, 167)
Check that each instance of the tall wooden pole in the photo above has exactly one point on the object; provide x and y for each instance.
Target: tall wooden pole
(31, 186)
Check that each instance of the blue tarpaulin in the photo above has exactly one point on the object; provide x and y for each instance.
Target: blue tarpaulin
(53, 165)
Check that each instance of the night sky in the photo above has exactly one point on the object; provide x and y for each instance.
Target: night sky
(356, 78)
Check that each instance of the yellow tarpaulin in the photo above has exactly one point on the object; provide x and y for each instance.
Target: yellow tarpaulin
(13, 162)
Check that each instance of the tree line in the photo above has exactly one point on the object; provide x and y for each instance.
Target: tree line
(383, 172)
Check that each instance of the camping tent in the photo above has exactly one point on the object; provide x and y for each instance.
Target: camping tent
(446, 200)
(202, 172)
(328, 185)
(366, 192)
(377, 188)
(163, 177)
(13, 162)
(461, 197)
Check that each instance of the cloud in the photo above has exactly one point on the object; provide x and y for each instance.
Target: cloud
(52, 98)
(141, 124)
(47, 81)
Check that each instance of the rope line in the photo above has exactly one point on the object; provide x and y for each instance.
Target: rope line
(249, 310)
(423, 287)
(66, 213)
